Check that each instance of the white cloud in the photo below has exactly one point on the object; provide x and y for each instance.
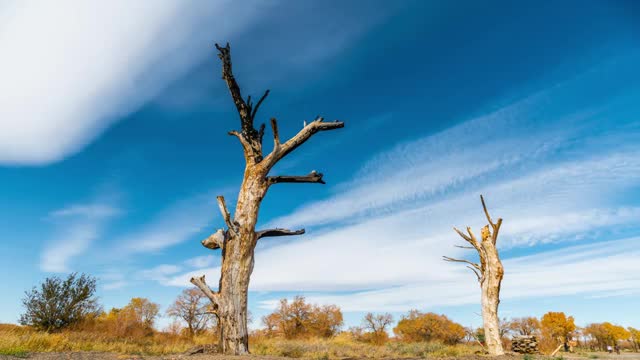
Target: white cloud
(605, 269)
(200, 261)
(69, 69)
(78, 225)
(159, 273)
(115, 285)
(173, 225)
(554, 181)
(549, 128)
(71, 243)
(87, 210)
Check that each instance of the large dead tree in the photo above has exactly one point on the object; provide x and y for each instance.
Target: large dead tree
(489, 273)
(240, 237)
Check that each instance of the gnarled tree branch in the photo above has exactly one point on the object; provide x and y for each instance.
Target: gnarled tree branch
(202, 285)
(300, 138)
(313, 177)
(276, 135)
(477, 273)
(227, 75)
(255, 110)
(277, 232)
(471, 239)
(446, 258)
(495, 226)
(226, 215)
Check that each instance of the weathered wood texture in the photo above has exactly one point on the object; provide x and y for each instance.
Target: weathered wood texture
(239, 239)
(489, 273)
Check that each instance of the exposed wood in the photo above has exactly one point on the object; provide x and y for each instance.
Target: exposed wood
(215, 240)
(489, 273)
(556, 350)
(225, 214)
(202, 285)
(313, 177)
(239, 241)
(278, 232)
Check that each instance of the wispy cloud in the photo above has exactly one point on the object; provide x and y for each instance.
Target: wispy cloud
(73, 242)
(559, 181)
(571, 270)
(549, 128)
(86, 210)
(100, 61)
(200, 261)
(78, 226)
(159, 273)
(173, 225)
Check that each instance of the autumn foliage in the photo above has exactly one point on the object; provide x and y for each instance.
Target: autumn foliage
(606, 333)
(299, 319)
(135, 320)
(523, 326)
(417, 326)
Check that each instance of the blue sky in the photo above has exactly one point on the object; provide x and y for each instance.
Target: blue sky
(113, 146)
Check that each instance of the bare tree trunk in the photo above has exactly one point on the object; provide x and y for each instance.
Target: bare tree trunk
(489, 273)
(490, 301)
(239, 240)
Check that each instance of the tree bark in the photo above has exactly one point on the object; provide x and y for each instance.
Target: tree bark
(239, 240)
(489, 273)
(490, 286)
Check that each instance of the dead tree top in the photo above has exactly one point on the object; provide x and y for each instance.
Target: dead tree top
(250, 138)
(487, 235)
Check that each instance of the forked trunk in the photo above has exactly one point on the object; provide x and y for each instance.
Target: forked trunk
(239, 240)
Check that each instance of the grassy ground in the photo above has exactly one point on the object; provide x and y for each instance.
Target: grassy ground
(19, 341)
(23, 342)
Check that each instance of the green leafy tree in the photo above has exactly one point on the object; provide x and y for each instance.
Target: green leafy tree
(59, 303)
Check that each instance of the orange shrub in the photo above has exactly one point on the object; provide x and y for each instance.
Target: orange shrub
(417, 326)
(299, 319)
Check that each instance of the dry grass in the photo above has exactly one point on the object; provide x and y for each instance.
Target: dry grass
(15, 340)
(343, 346)
(19, 341)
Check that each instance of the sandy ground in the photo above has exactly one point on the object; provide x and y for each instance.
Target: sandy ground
(109, 356)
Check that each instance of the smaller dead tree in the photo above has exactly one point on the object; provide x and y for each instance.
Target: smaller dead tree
(489, 273)
(377, 325)
(193, 307)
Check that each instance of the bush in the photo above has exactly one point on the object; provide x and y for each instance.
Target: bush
(298, 319)
(429, 327)
(59, 303)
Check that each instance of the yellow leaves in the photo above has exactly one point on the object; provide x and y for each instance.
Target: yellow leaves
(416, 326)
(607, 333)
(299, 319)
(557, 325)
(134, 320)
